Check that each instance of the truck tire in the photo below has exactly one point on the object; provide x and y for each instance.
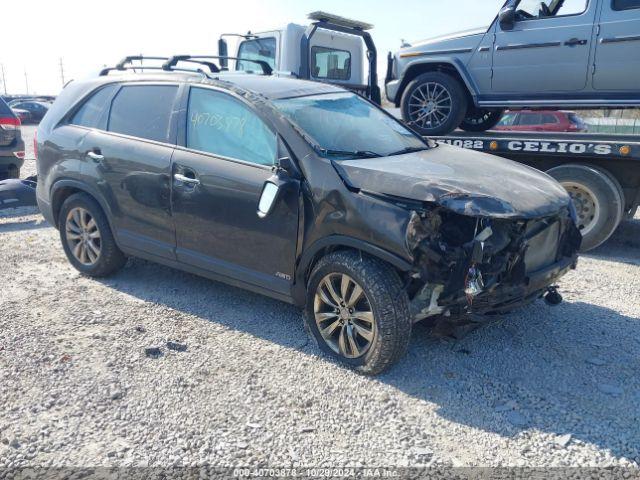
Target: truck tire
(597, 200)
(615, 181)
(480, 119)
(358, 312)
(434, 103)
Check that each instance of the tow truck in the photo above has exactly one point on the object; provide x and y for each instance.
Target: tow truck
(600, 172)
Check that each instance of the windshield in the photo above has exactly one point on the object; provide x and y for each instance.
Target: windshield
(344, 125)
(258, 49)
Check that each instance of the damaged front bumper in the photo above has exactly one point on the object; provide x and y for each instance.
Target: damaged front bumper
(482, 265)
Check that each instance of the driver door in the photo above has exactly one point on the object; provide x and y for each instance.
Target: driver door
(220, 166)
(548, 49)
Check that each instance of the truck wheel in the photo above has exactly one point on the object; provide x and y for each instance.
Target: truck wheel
(358, 312)
(86, 237)
(434, 104)
(480, 120)
(597, 201)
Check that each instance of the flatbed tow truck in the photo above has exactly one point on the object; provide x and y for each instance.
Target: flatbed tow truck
(601, 172)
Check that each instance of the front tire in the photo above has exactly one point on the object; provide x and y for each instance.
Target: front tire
(434, 103)
(358, 312)
(86, 237)
(480, 119)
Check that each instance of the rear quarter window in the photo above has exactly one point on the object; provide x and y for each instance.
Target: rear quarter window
(93, 113)
(143, 111)
(330, 63)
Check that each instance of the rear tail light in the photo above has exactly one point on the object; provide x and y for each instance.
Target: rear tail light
(9, 123)
(19, 154)
(35, 145)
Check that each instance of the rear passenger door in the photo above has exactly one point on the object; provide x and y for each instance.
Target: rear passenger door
(225, 156)
(617, 65)
(129, 162)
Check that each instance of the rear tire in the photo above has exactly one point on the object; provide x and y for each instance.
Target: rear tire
(480, 119)
(86, 237)
(434, 103)
(597, 200)
(383, 299)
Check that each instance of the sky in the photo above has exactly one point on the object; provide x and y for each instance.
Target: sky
(87, 34)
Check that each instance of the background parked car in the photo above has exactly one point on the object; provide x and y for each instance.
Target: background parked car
(541, 121)
(37, 110)
(23, 115)
(11, 143)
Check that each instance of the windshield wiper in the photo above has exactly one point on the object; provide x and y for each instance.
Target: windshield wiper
(409, 150)
(347, 153)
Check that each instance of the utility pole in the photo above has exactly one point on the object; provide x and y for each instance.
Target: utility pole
(26, 80)
(62, 72)
(4, 80)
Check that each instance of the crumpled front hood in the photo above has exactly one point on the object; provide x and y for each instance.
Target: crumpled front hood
(464, 181)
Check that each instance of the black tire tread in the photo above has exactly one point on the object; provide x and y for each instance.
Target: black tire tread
(112, 258)
(493, 120)
(384, 288)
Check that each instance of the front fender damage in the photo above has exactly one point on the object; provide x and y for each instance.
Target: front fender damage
(473, 264)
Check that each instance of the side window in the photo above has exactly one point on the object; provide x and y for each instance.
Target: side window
(221, 125)
(257, 49)
(619, 5)
(330, 63)
(93, 113)
(546, 118)
(143, 111)
(508, 119)
(535, 9)
(527, 119)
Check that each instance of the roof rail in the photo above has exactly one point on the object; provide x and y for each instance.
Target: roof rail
(173, 61)
(105, 71)
(170, 64)
(125, 64)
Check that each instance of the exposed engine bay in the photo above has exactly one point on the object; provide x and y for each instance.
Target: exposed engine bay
(482, 265)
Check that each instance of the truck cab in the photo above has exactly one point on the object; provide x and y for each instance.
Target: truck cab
(331, 49)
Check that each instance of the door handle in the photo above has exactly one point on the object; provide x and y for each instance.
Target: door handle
(183, 179)
(574, 42)
(94, 155)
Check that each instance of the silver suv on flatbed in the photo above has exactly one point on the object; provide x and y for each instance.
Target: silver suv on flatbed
(556, 53)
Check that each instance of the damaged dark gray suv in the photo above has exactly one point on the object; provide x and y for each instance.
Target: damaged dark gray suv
(301, 191)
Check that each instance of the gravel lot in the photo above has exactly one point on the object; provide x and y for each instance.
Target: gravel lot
(540, 387)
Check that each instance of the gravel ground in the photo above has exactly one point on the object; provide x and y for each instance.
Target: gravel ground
(540, 387)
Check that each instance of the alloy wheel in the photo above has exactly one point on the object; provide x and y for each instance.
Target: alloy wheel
(430, 105)
(344, 316)
(83, 236)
